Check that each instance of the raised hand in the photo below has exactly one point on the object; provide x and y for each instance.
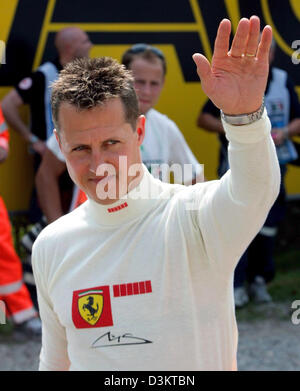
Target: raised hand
(236, 78)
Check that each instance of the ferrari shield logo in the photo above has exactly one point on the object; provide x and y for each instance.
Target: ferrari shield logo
(90, 305)
(92, 308)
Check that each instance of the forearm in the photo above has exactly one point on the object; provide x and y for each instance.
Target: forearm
(49, 196)
(236, 206)
(210, 123)
(293, 128)
(10, 107)
(255, 175)
(3, 150)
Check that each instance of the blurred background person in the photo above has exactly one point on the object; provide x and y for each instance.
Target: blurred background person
(163, 142)
(13, 292)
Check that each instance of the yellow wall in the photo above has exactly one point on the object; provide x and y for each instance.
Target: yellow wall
(180, 101)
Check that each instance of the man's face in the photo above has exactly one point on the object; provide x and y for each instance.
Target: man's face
(81, 45)
(148, 82)
(91, 139)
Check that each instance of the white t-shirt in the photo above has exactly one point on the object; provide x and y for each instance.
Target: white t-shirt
(147, 283)
(163, 143)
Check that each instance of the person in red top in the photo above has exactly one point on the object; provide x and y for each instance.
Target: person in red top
(13, 292)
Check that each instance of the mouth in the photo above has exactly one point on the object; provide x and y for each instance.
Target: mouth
(101, 178)
(144, 101)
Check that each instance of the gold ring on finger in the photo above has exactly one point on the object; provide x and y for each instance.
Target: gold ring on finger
(241, 56)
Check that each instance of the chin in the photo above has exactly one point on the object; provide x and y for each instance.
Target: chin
(107, 201)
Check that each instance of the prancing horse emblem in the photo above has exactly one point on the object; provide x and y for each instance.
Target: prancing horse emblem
(90, 305)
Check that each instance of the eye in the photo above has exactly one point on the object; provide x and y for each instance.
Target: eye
(79, 148)
(139, 82)
(112, 142)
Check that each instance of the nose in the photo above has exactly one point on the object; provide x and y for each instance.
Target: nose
(100, 166)
(147, 89)
(97, 159)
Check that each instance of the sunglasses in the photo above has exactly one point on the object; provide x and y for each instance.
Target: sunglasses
(142, 47)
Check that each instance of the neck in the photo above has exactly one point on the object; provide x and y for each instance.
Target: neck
(64, 60)
(135, 203)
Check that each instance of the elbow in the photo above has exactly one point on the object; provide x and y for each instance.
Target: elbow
(277, 182)
(41, 180)
(10, 105)
(271, 191)
(5, 106)
(200, 123)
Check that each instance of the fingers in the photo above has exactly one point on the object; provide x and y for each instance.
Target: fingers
(221, 46)
(265, 44)
(203, 66)
(253, 37)
(246, 40)
(240, 39)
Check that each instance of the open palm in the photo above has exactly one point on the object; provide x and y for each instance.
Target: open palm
(236, 79)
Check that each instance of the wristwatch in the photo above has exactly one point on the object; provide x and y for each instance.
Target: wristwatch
(33, 139)
(244, 119)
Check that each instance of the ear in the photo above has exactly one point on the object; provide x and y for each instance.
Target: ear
(140, 129)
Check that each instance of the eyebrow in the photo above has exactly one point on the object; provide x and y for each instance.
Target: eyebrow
(87, 145)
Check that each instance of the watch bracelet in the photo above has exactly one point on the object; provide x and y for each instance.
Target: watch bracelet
(244, 119)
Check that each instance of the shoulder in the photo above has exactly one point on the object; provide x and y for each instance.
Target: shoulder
(279, 74)
(186, 203)
(49, 70)
(164, 123)
(154, 115)
(59, 232)
(30, 81)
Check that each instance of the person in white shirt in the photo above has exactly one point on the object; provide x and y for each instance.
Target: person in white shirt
(163, 142)
(140, 276)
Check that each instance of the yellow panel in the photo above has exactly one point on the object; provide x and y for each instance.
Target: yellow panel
(293, 180)
(6, 17)
(296, 7)
(233, 9)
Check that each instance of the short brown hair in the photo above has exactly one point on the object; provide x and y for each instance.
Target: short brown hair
(145, 51)
(90, 82)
